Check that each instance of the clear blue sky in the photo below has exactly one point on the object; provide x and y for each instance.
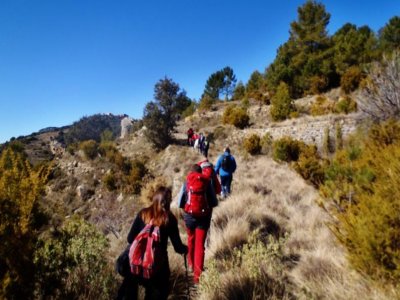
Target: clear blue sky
(63, 59)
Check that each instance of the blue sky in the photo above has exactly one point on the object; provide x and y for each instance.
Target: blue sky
(61, 60)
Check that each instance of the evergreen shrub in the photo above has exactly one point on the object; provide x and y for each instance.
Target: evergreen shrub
(252, 144)
(89, 148)
(363, 181)
(351, 79)
(345, 105)
(110, 181)
(236, 116)
(321, 106)
(286, 149)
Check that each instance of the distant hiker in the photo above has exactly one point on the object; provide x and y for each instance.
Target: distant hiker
(196, 145)
(201, 142)
(207, 169)
(190, 133)
(197, 198)
(149, 265)
(206, 146)
(225, 167)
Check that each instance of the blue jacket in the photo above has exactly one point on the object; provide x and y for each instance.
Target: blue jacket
(218, 168)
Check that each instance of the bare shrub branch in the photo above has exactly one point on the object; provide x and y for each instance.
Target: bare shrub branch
(380, 98)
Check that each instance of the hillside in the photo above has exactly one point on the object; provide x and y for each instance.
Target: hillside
(268, 198)
(270, 239)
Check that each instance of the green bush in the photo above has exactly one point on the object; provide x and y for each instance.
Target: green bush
(310, 166)
(73, 264)
(317, 84)
(135, 179)
(345, 105)
(21, 189)
(236, 116)
(252, 144)
(281, 103)
(351, 79)
(385, 134)
(89, 148)
(245, 103)
(286, 149)
(321, 106)
(110, 181)
(363, 181)
(206, 102)
(256, 268)
(72, 148)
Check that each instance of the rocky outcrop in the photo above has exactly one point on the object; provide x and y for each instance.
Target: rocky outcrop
(126, 127)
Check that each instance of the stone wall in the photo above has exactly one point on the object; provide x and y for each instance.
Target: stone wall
(311, 130)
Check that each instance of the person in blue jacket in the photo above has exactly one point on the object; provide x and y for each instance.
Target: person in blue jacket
(225, 167)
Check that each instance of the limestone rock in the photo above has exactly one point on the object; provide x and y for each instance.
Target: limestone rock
(126, 127)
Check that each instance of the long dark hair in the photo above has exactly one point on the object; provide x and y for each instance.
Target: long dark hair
(158, 211)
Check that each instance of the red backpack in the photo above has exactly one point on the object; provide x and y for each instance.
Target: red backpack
(145, 256)
(208, 172)
(196, 188)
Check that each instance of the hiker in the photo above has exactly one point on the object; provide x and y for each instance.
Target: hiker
(190, 133)
(207, 170)
(157, 214)
(196, 145)
(206, 146)
(197, 198)
(225, 167)
(201, 142)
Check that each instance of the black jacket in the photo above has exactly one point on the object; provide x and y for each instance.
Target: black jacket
(170, 230)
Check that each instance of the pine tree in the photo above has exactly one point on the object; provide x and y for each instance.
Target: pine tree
(353, 47)
(281, 103)
(223, 81)
(389, 35)
(305, 59)
(161, 114)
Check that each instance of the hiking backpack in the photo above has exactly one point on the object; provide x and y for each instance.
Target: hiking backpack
(145, 255)
(208, 172)
(196, 188)
(226, 163)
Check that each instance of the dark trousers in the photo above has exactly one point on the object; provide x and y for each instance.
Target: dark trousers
(156, 288)
(226, 182)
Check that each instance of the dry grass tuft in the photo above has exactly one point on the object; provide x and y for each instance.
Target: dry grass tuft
(268, 240)
(273, 201)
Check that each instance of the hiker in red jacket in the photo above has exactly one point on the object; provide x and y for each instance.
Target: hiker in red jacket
(207, 169)
(190, 133)
(158, 214)
(197, 198)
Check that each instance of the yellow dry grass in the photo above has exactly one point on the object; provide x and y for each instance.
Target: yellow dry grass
(273, 199)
